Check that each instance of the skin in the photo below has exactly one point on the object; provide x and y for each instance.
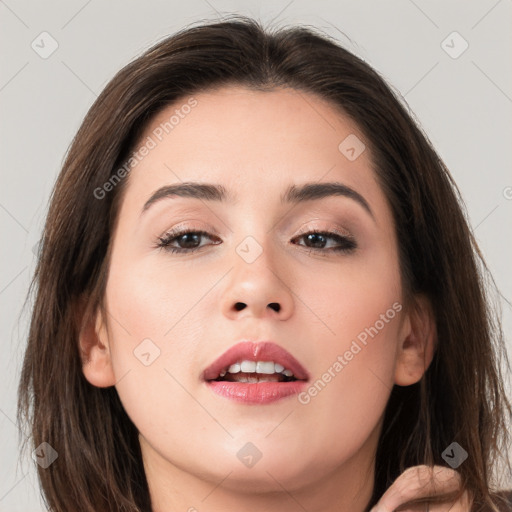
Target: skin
(317, 456)
(422, 481)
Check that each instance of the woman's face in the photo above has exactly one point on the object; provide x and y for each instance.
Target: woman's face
(332, 301)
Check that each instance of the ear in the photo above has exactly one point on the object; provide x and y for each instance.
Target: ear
(95, 350)
(417, 342)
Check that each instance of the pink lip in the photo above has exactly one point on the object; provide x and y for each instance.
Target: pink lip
(260, 392)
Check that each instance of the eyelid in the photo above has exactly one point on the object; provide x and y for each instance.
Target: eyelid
(334, 229)
(188, 225)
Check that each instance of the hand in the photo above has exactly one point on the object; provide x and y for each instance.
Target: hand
(421, 482)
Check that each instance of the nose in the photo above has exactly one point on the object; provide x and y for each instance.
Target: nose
(258, 289)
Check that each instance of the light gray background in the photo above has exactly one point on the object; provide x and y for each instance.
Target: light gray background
(464, 105)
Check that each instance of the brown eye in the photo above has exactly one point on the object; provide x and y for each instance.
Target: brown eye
(187, 240)
(317, 240)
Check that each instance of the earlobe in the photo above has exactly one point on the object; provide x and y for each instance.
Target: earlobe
(95, 351)
(417, 343)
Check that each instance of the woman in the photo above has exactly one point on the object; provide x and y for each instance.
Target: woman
(329, 345)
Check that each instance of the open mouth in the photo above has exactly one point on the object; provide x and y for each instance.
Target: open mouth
(256, 371)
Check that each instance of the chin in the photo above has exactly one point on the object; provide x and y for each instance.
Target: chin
(268, 473)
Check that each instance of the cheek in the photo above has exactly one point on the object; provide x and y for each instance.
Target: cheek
(156, 332)
(156, 300)
(154, 338)
(355, 359)
(357, 299)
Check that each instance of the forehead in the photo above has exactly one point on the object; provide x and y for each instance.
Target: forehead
(251, 142)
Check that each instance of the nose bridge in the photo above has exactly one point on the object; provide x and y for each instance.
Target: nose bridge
(257, 284)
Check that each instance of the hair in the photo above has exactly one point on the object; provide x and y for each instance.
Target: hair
(461, 396)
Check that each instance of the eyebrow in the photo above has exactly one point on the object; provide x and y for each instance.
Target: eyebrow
(294, 193)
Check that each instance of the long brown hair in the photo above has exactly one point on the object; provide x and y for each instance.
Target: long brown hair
(461, 397)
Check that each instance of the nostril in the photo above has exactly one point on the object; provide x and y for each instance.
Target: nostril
(274, 305)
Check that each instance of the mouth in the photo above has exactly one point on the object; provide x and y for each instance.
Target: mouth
(256, 373)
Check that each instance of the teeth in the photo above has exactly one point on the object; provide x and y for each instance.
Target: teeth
(263, 367)
(234, 368)
(248, 366)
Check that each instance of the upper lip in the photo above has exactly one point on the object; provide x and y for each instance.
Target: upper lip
(255, 351)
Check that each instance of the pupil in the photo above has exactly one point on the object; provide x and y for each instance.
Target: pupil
(312, 235)
(183, 237)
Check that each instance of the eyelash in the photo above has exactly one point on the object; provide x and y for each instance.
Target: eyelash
(347, 243)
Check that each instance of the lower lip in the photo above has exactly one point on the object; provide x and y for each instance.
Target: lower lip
(256, 392)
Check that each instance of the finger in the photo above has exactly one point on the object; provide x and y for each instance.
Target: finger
(463, 504)
(418, 482)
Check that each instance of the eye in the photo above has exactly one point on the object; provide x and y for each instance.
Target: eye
(319, 239)
(188, 239)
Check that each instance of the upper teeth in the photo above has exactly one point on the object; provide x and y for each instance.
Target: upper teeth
(267, 367)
